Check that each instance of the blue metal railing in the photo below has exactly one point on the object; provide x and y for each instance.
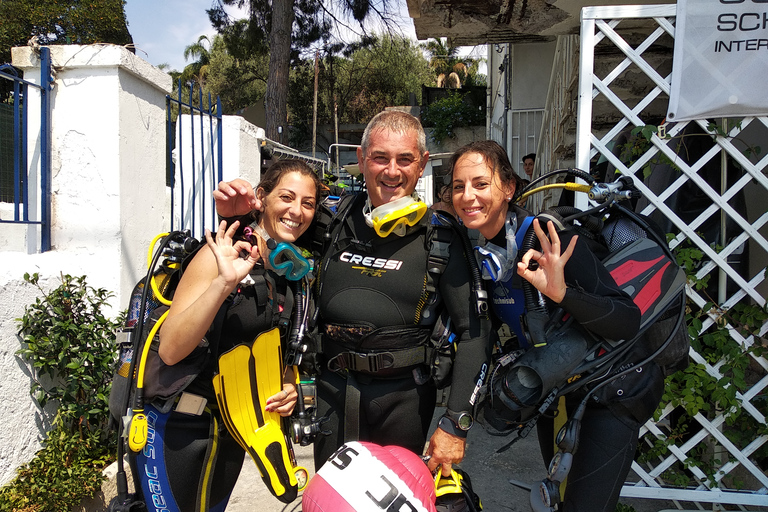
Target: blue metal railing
(202, 212)
(22, 203)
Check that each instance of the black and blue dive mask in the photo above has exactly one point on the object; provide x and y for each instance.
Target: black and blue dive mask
(497, 263)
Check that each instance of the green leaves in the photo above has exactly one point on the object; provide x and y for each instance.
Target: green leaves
(716, 334)
(65, 471)
(69, 346)
(62, 22)
(449, 113)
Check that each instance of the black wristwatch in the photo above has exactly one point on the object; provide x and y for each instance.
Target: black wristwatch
(456, 423)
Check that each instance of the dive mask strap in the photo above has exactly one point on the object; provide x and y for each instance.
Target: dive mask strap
(285, 258)
(248, 232)
(395, 216)
(496, 263)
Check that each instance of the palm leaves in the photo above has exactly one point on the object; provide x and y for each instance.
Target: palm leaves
(197, 70)
(448, 65)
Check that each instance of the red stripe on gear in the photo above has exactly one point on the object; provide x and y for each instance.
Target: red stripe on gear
(631, 269)
(651, 291)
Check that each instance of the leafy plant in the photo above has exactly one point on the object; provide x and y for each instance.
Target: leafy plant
(696, 391)
(640, 140)
(638, 144)
(68, 345)
(449, 113)
(67, 470)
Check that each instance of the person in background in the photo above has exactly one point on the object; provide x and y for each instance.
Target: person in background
(375, 302)
(528, 161)
(192, 462)
(571, 277)
(444, 204)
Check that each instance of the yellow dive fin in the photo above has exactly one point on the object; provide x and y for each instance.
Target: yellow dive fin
(248, 375)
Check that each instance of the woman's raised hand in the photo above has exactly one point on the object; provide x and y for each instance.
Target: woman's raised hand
(549, 277)
(235, 198)
(234, 259)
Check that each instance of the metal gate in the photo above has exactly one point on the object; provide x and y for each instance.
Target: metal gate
(705, 182)
(24, 184)
(195, 156)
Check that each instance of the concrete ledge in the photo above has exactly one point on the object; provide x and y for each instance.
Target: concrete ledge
(73, 56)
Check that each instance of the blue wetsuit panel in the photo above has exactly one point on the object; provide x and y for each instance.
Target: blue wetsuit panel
(508, 299)
(509, 306)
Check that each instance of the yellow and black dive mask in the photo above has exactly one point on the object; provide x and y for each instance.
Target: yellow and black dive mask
(284, 257)
(395, 216)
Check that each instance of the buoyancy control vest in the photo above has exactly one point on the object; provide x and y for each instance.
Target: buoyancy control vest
(507, 296)
(358, 268)
(636, 256)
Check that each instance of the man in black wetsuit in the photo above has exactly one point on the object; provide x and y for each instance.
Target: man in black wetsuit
(378, 306)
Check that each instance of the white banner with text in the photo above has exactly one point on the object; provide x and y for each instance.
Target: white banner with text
(720, 64)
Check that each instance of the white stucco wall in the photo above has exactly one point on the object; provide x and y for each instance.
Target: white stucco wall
(242, 159)
(108, 190)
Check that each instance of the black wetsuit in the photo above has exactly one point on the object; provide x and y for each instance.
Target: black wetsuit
(372, 297)
(188, 456)
(609, 429)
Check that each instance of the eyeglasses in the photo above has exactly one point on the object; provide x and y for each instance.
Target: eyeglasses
(393, 217)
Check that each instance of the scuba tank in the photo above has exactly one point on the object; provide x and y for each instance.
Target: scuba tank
(153, 291)
(524, 384)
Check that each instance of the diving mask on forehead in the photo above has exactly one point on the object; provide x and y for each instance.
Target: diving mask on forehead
(394, 216)
(284, 257)
(497, 263)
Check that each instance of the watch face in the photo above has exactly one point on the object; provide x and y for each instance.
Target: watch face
(465, 421)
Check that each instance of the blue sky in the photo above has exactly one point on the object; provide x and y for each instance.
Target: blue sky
(161, 29)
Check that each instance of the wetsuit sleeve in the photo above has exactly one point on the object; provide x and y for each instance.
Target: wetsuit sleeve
(594, 299)
(473, 350)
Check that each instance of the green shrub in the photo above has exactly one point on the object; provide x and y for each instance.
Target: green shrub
(449, 113)
(66, 471)
(69, 346)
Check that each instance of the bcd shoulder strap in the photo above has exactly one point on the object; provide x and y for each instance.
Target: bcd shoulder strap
(329, 222)
(442, 230)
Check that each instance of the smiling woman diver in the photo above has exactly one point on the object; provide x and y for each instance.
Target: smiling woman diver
(232, 290)
(571, 277)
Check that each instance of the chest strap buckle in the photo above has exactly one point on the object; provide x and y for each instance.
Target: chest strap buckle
(361, 362)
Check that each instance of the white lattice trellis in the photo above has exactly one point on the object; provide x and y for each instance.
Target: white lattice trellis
(728, 227)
